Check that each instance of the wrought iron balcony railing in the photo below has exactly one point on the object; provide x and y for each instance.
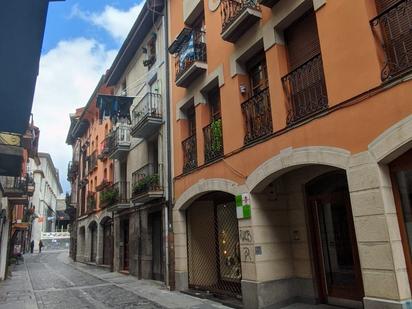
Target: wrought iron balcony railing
(93, 161)
(104, 150)
(147, 115)
(213, 137)
(110, 195)
(305, 91)
(72, 170)
(189, 153)
(118, 141)
(192, 49)
(91, 201)
(149, 178)
(232, 10)
(393, 30)
(257, 116)
(14, 186)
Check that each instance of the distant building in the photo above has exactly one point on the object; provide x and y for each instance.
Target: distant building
(46, 194)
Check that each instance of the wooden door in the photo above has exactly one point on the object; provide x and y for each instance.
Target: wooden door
(107, 243)
(126, 245)
(157, 246)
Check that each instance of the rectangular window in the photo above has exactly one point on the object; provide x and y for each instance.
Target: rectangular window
(213, 99)
(257, 71)
(191, 118)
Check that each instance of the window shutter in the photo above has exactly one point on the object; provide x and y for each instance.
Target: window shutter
(302, 40)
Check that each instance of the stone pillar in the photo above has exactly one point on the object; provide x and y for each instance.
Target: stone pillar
(116, 248)
(180, 242)
(99, 244)
(87, 245)
(385, 278)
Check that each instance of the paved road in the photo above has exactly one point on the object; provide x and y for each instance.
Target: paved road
(50, 280)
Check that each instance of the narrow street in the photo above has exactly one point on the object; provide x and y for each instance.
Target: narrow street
(51, 280)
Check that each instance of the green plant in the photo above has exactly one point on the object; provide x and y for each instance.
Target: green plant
(109, 197)
(216, 135)
(91, 202)
(146, 183)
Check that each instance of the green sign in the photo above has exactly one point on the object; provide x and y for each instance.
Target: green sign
(243, 206)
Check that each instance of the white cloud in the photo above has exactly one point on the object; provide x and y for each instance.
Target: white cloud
(115, 21)
(68, 75)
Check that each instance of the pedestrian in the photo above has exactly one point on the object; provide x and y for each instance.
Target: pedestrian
(32, 246)
(40, 245)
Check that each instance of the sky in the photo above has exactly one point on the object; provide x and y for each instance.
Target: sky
(80, 42)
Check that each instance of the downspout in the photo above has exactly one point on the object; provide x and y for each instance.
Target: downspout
(169, 204)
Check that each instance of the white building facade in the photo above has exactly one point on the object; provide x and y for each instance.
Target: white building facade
(47, 192)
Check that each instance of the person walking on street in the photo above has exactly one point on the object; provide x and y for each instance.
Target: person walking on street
(32, 246)
(40, 245)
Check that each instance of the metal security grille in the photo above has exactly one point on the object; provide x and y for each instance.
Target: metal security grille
(213, 247)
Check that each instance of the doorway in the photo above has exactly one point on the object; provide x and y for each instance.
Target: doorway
(125, 245)
(107, 242)
(155, 221)
(336, 259)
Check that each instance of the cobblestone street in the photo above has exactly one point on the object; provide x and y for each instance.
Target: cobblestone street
(51, 280)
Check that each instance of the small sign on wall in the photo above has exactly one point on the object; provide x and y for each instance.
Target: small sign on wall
(243, 206)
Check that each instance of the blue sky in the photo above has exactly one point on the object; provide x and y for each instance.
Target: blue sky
(82, 38)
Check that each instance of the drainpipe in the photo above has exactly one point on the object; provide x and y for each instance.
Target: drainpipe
(169, 203)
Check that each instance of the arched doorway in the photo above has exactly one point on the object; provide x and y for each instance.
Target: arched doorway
(333, 238)
(401, 177)
(93, 241)
(213, 245)
(107, 230)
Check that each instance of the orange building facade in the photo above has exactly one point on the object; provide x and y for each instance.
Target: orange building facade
(91, 175)
(292, 135)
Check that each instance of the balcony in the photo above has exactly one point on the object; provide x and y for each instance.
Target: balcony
(118, 142)
(268, 3)
(213, 137)
(14, 187)
(91, 201)
(189, 154)
(116, 197)
(305, 90)
(191, 58)
(72, 171)
(30, 141)
(147, 116)
(31, 186)
(392, 28)
(92, 161)
(109, 196)
(103, 184)
(11, 154)
(257, 116)
(104, 150)
(237, 17)
(147, 183)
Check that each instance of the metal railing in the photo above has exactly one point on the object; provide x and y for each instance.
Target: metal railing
(230, 10)
(91, 201)
(16, 185)
(109, 195)
(149, 106)
(305, 91)
(72, 170)
(119, 137)
(392, 28)
(189, 153)
(146, 179)
(257, 116)
(213, 137)
(193, 49)
(104, 149)
(93, 161)
(123, 189)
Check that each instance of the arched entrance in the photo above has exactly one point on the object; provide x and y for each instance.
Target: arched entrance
(401, 177)
(333, 238)
(107, 232)
(304, 237)
(93, 241)
(213, 245)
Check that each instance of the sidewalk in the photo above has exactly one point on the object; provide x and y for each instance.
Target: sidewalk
(152, 290)
(16, 292)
